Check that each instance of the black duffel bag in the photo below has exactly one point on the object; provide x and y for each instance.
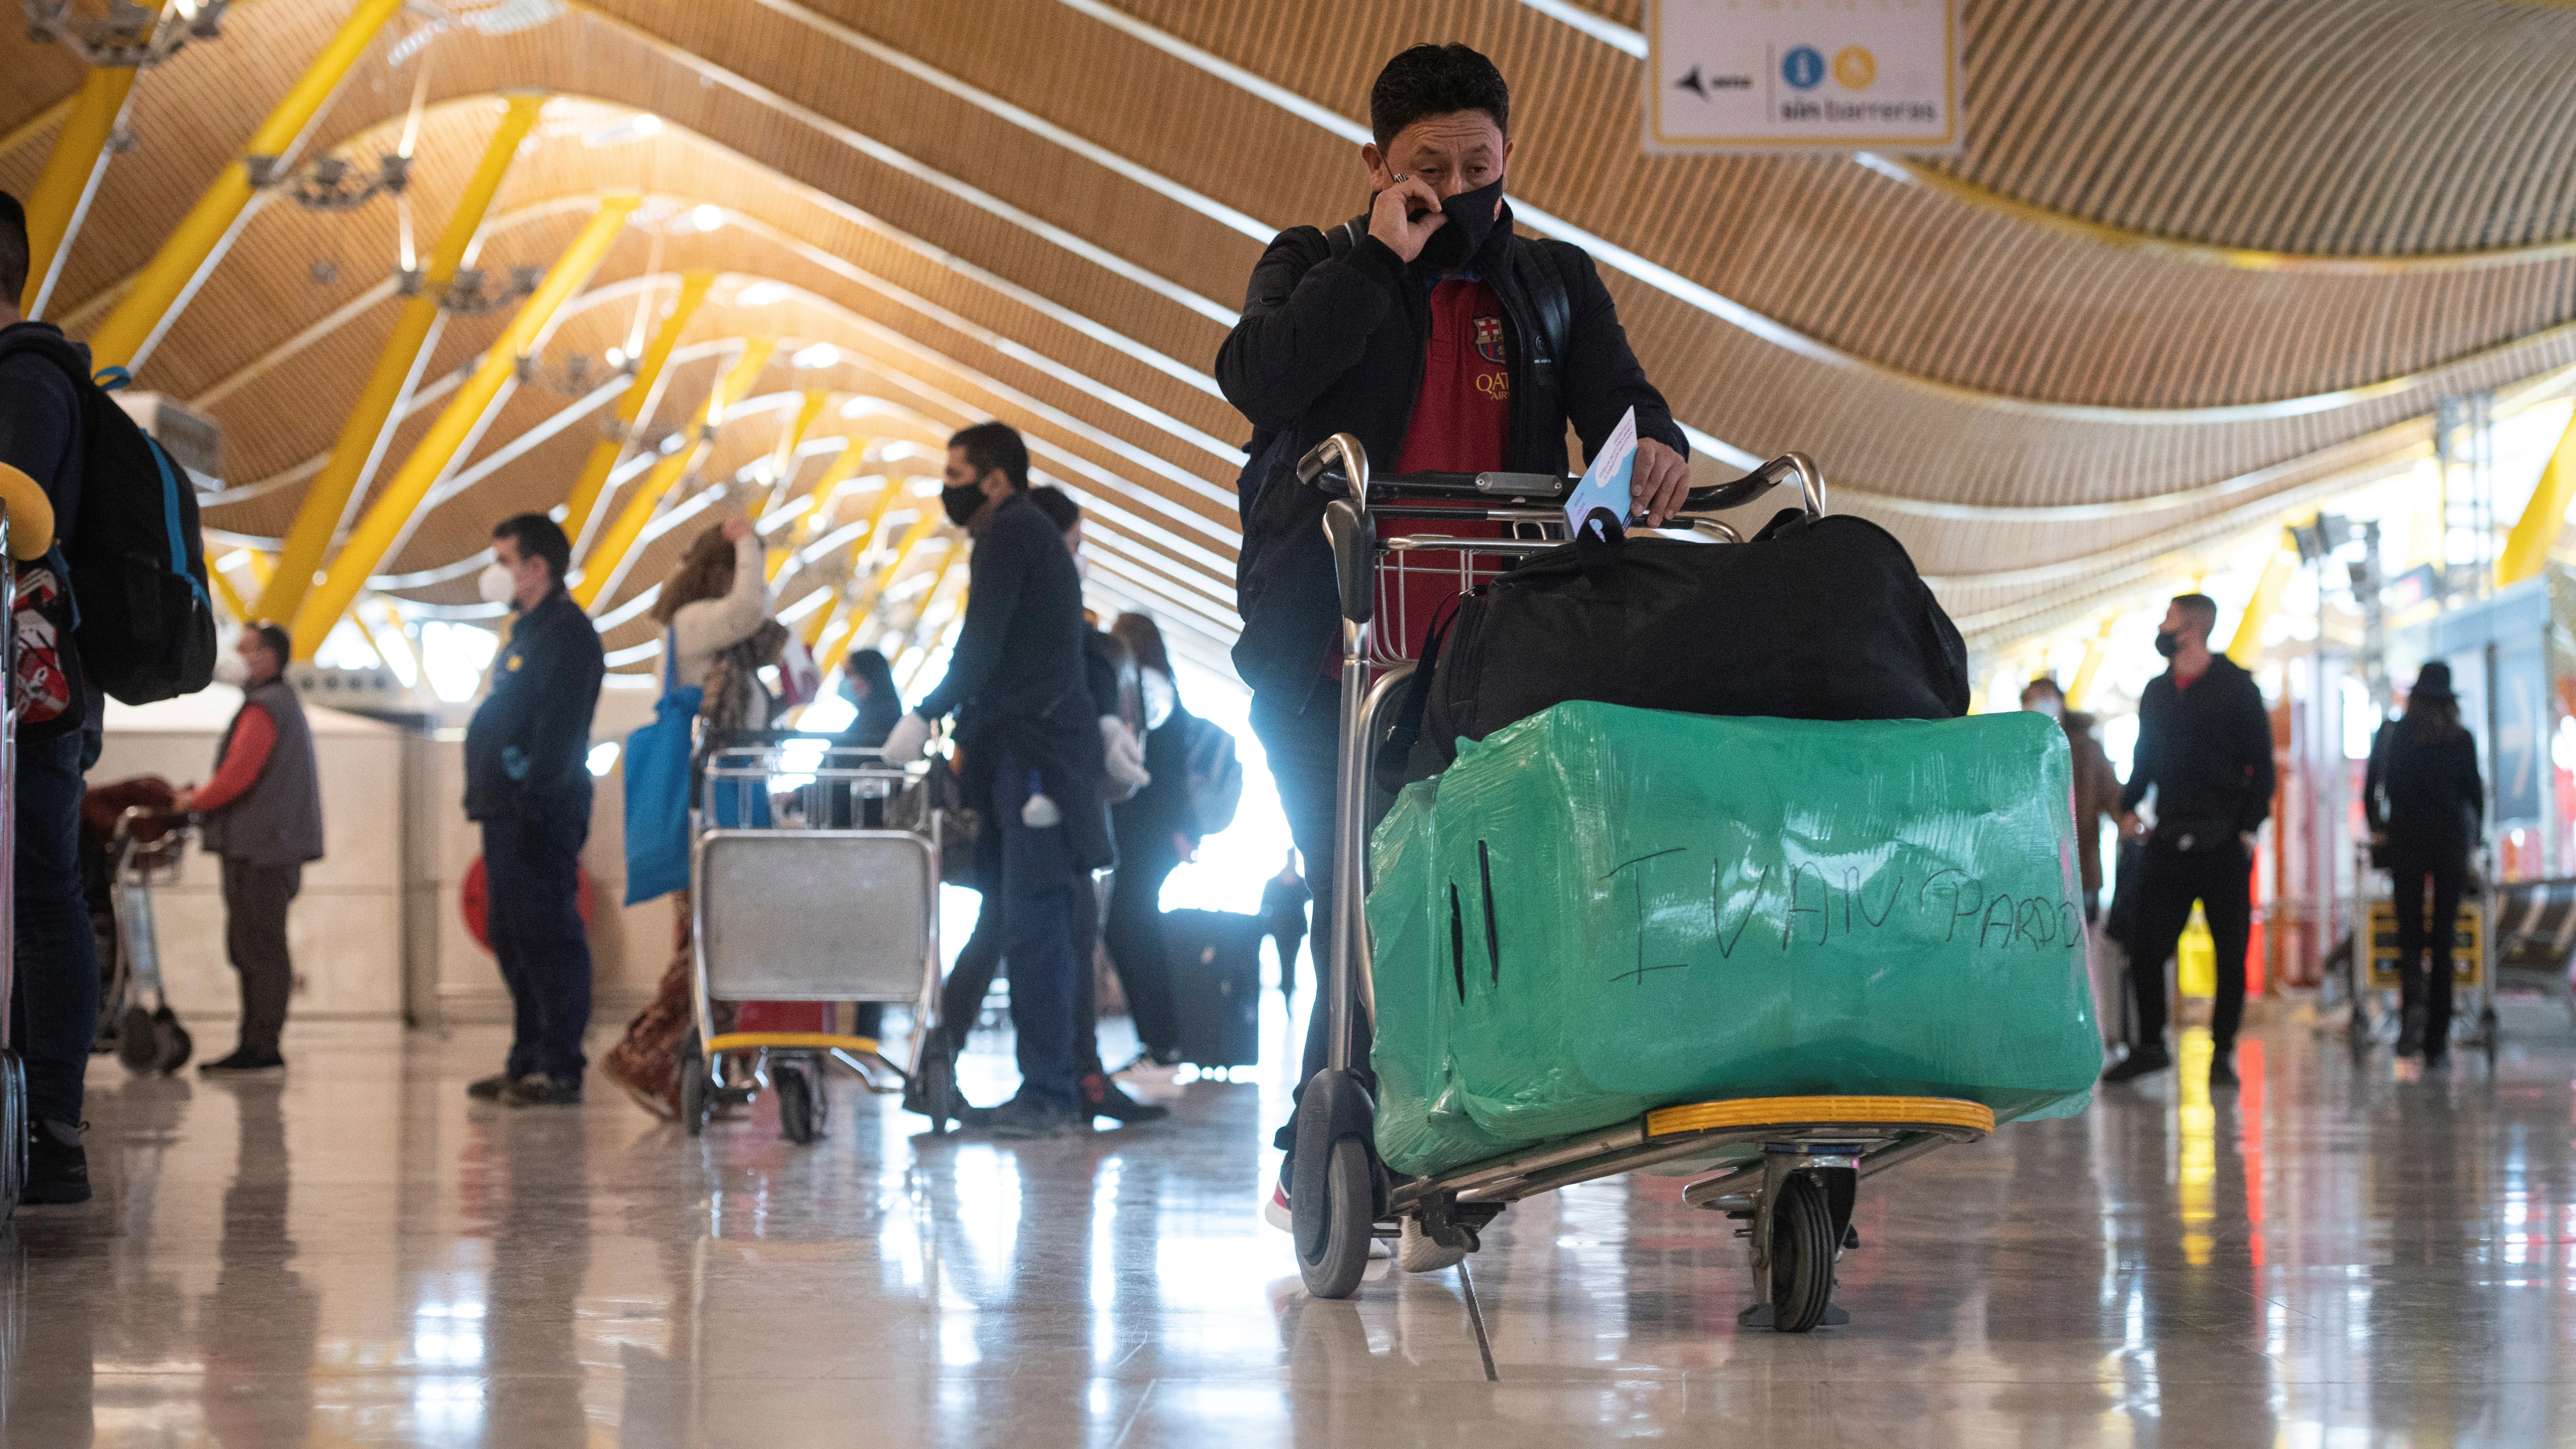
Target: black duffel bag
(1814, 618)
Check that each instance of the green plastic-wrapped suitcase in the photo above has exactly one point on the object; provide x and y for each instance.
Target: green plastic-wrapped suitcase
(1598, 911)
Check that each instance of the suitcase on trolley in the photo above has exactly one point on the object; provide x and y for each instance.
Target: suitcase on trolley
(1214, 958)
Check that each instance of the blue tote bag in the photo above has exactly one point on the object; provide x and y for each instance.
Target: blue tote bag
(657, 788)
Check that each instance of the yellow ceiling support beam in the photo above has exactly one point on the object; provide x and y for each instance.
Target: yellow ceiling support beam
(782, 459)
(166, 280)
(2247, 646)
(867, 539)
(366, 432)
(852, 454)
(608, 556)
(393, 507)
(2527, 547)
(2094, 648)
(63, 189)
(857, 613)
(929, 596)
(232, 599)
(630, 404)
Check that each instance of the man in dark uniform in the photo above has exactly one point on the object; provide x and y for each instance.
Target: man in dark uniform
(527, 781)
(263, 820)
(2205, 744)
(1031, 740)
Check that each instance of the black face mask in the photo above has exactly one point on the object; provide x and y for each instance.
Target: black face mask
(2167, 641)
(1471, 220)
(962, 502)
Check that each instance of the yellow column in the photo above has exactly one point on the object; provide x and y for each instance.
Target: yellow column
(375, 533)
(833, 477)
(173, 269)
(2527, 547)
(2247, 646)
(929, 596)
(782, 459)
(867, 600)
(364, 430)
(630, 404)
(867, 539)
(232, 600)
(613, 546)
(63, 188)
(2084, 672)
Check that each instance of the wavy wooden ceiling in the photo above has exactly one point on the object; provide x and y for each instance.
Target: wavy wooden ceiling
(1980, 381)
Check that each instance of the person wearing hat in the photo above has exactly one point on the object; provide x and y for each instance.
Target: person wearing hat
(2205, 747)
(2425, 802)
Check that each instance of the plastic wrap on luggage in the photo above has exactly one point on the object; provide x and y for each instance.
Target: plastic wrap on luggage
(1600, 910)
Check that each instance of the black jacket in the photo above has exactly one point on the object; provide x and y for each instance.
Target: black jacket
(1334, 344)
(528, 747)
(1015, 680)
(2208, 752)
(2423, 791)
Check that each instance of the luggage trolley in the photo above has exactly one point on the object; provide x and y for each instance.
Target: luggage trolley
(149, 1039)
(2370, 968)
(1790, 1166)
(793, 898)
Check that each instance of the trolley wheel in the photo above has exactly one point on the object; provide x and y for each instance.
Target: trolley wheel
(1802, 1255)
(797, 1116)
(694, 1103)
(938, 1090)
(137, 1044)
(1333, 1235)
(172, 1039)
(13, 1132)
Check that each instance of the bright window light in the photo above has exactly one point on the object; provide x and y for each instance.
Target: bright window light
(706, 217)
(602, 759)
(643, 126)
(829, 715)
(454, 657)
(760, 294)
(821, 354)
(346, 647)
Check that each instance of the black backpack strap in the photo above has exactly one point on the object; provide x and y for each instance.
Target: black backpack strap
(1550, 304)
(1395, 757)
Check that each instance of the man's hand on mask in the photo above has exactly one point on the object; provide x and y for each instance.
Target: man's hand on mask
(1391, 220)
(1659, 484)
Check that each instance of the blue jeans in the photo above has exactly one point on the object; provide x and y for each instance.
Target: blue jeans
(53, 1006)
(531, 863)
(1047, 928)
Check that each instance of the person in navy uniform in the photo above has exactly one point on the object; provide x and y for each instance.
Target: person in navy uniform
(527, 782)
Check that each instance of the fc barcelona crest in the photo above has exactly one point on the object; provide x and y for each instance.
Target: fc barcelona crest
(1489, 339)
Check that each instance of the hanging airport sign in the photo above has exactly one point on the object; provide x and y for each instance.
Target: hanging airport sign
(1802, 75)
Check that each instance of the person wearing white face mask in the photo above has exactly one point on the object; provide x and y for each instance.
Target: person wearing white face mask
(527, 784)
(262, 818)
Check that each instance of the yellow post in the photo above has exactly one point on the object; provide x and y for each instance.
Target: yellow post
(630, 404)
(365, 430)
(866, 602)
(929, 596)
(2527, 547)
(601, 564)
(173, 269)
(232, 600)
(867, 539)
(63, 188)
(782, 459)
(375, 533)
(2084, 672)
(2247, 646)
(833, 477)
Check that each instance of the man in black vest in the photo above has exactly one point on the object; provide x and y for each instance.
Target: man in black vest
(527, 780)
(1445, 342)
(263, 819)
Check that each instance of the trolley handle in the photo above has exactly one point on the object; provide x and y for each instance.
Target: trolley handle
(1329, 466)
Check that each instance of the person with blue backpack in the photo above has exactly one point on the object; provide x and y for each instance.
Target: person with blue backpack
(54, 1002)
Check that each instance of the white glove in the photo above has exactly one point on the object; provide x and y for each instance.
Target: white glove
(1125, 759)
(905, 742)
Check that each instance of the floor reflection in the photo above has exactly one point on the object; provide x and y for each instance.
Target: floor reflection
(2339, 1252)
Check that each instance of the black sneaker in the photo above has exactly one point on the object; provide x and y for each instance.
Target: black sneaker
(2139, 1063)
(2410, 1032)
(2222, 1071)
(1026, 1118)
(57, 1166)
(1104, 1099)
(242, 1063)
(538, 1090)
(490, 1088)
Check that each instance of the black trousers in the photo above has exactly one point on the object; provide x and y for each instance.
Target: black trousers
(1303, 748)
(255, 900)
(2168, 882)
(2448, 871)
(1134, 934)
(532, 862)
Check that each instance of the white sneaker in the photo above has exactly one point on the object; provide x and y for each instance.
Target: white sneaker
(1274, 1209)
(1147, 1072)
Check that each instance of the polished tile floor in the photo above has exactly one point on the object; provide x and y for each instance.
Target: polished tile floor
(2345, 1255)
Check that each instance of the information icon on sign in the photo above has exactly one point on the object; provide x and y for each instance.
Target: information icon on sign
(1803, 68)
